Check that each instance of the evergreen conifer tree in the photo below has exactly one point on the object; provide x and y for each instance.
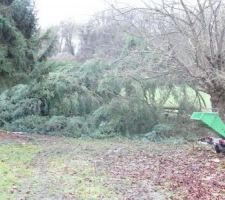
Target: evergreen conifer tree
(17, 45)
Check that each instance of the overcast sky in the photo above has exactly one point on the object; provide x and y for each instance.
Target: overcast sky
(52, 12)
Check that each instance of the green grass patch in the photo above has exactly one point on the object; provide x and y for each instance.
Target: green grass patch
(83, 179)
(191, 96)
(14, 159)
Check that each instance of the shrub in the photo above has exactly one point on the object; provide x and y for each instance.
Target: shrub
(31, 124)
(55, 124)
(76, 127)
(126, 117)
(164, 130)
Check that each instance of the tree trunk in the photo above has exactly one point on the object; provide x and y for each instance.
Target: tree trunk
(218, 103)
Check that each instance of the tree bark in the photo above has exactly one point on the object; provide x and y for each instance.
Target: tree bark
(218, 103)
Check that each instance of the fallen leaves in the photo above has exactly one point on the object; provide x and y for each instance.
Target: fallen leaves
(189, 173)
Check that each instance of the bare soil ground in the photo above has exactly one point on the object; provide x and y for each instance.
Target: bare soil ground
(55, 168)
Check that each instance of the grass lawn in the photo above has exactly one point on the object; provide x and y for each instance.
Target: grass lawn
(191, 97)
(54, 168)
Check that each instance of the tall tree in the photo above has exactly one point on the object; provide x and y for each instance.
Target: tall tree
(190, 36)
(102, 36)
(17, 28)
(67, 31)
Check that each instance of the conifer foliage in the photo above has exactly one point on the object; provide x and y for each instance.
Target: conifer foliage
(17, 30)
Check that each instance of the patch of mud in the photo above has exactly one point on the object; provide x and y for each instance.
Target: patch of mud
(16, 136)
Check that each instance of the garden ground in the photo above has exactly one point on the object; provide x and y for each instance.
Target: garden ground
(56, 168)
